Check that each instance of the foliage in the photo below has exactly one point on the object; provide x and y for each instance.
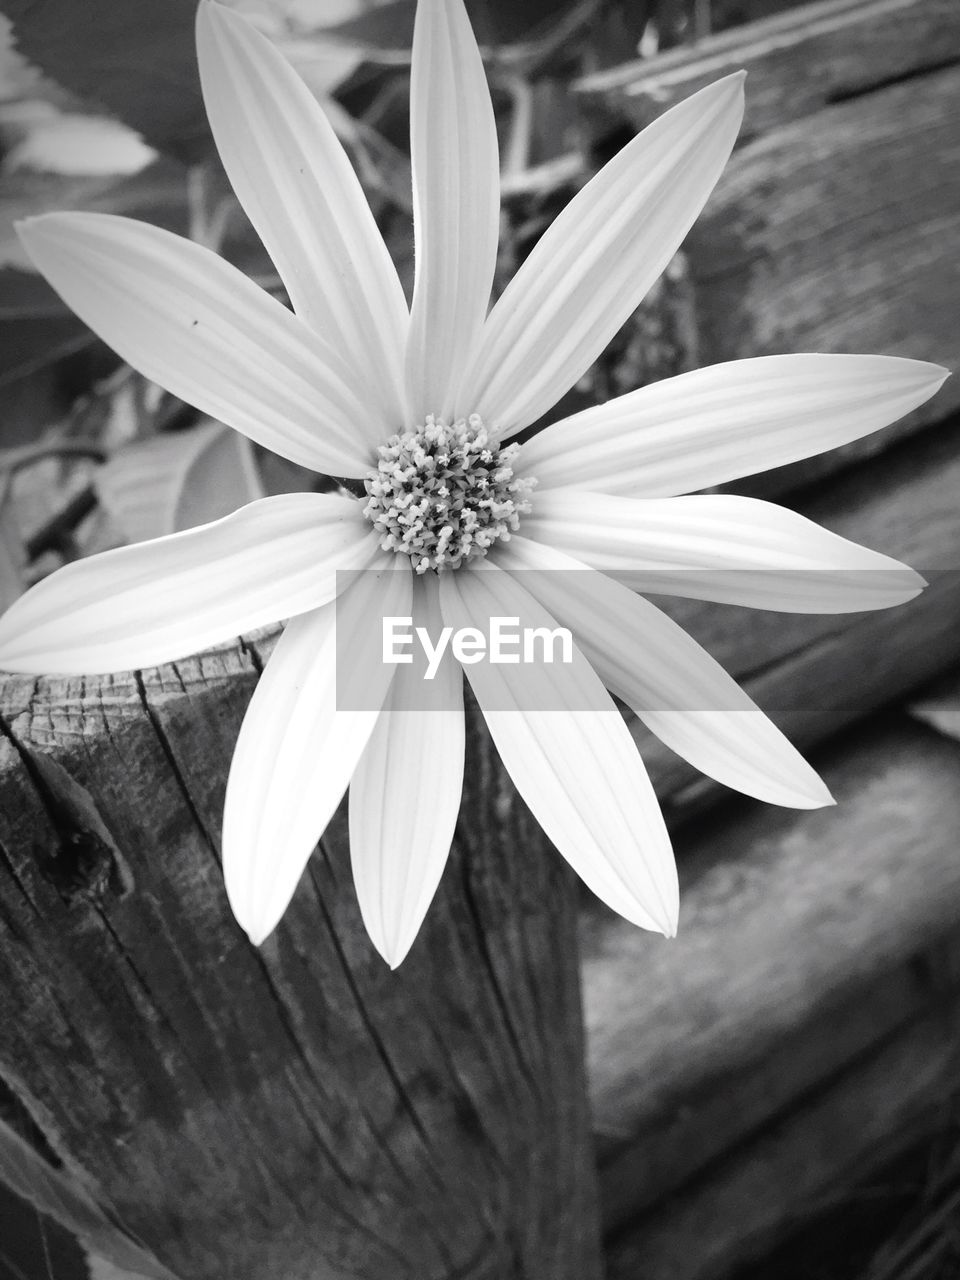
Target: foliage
(96, 50)
(139, 477)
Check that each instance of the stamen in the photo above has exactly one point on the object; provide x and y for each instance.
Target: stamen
(443, 493)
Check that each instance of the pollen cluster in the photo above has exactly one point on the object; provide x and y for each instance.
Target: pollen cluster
(442, 493)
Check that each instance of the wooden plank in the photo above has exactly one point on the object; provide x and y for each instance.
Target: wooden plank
(796, 63)
(811, 673)
(298, 1110)
(835, 1142)
(837, 233)
(833, 225)
(904, 502)
(806, 940)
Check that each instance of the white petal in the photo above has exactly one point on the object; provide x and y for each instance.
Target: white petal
(456, 204)
(726, 421)
(578, 770)
(161, 600)
(197, 326)
(297, 748)
(720, 547)
(299, 190)
(405, 793)
(672, 684)
(591, 268)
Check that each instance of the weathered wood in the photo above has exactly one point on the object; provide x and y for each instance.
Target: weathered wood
(807, 942)
(797, 62)
(816, 674)
(904, 503)
(835, 234)
(834, 224)
(297, 1111)
(836, 1141)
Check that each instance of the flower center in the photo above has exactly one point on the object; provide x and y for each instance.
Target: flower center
(442, 493)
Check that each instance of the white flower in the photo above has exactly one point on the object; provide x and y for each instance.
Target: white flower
(415, 402)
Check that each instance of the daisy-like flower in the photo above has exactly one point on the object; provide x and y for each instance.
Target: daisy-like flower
(419, 404)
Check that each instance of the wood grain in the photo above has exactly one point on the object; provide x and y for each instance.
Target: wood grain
(807, 941)
(815, 1158)
(796, 62)
(130, 929)
(837, 233)
(834, 226)
(296, 1111)
(815, 674)
(248, 1061)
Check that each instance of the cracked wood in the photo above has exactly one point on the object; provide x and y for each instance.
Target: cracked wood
(297, 1111)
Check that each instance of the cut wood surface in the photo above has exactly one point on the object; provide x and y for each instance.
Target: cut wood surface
(834, 226)
(154, 755)
(807, 942)
(92, 960)
(298, 1110)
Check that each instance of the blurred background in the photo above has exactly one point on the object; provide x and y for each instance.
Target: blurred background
(775, 1093)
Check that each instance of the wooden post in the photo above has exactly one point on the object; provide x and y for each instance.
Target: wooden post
(297, 1111)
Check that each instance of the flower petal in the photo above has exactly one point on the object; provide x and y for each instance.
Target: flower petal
(672, 684)
(299, 190)
(578, 770)
(592, 267)
(158, 601)
(197, 326)
(456, 204)
(726, 421)
(720, 547)
(297, 748)
(405, 793)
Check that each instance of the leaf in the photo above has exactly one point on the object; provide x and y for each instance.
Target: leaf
(69, 143)
(30, 398)
(136, 59)
(36, 329)
(940, 707)
(26, 296)
(385, 33)
(62, 1197)
(103, 1269)
(17, 77)
(386, 29)
(13, 558)
(505, 22)
(157, 194)
(295, 26)
(177, 480)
